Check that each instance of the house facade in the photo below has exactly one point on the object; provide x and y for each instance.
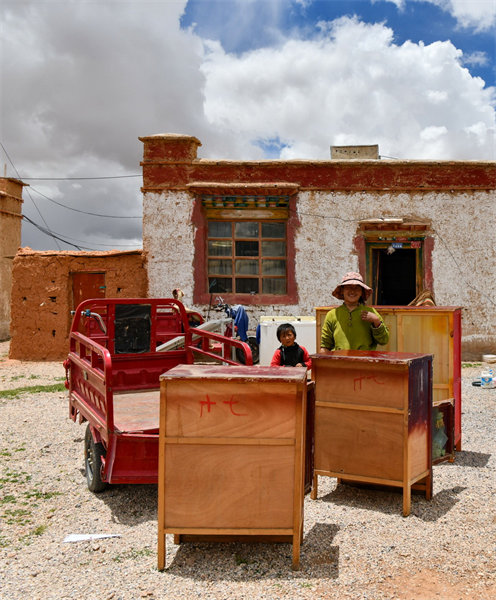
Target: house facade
(277, 236)
(48, 285)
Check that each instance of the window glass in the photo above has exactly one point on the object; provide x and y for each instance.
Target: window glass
(246, 248)
(219, 285)
(274, 286)
(246, 257)
(273, 230)
(246, 267)
(246, 229)
(273, 267)
(221, 248)
(219, 267)
(247, 286)
(273, 248)
(219, 229)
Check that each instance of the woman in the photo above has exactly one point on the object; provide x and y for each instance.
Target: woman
(353, 325)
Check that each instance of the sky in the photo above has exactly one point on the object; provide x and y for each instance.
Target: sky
(81, 80)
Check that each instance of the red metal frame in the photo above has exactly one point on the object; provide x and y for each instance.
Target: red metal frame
(95, 373)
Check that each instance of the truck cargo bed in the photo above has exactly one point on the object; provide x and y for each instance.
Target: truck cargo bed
(137, 411)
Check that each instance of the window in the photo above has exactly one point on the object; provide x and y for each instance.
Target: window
(245, 242)
(246, 257)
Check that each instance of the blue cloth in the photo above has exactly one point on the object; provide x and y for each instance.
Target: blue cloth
(258, 334)
(238, 313)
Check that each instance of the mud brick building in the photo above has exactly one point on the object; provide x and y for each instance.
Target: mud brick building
(277, 235)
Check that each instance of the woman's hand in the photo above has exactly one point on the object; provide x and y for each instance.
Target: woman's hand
(371, 318)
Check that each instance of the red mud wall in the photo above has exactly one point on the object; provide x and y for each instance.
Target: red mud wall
(42, 298)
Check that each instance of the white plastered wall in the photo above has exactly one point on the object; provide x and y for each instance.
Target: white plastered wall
(463, 225)
(168, 238)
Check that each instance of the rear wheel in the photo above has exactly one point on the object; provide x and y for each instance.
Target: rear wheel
(93, 453)
(252, 342)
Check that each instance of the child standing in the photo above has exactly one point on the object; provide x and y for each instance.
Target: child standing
(289, 353)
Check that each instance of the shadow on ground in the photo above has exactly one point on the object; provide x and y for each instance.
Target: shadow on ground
(236, 561)
(390, 501)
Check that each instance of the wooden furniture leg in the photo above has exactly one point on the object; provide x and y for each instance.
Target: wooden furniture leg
(296, 551)
(161, 551)
(407, 499)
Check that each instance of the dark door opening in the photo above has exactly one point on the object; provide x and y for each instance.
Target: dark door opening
(395, 276)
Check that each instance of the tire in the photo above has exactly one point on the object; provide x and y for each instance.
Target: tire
(252, 342)
(93, 453)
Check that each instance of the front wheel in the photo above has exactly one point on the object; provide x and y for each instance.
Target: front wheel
(252, 342)
(93, 452)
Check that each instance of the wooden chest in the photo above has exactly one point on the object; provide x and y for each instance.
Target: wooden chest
(433, 330)
(373, 419)
(231, 454)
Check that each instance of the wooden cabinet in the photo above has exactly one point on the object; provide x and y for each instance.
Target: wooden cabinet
(432, 330)
(231, 454)
(373, 415)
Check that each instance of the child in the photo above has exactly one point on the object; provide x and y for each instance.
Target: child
(353, 325)
(289, 354)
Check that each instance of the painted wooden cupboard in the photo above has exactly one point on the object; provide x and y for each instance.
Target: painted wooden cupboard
(432, 330)
(231, 454)
(373, 415)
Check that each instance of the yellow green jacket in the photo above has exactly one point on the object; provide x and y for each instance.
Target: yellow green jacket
(345, 330)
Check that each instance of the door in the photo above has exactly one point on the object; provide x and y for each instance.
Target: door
(87, 285)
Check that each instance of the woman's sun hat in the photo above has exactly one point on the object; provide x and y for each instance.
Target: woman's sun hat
(351, 278)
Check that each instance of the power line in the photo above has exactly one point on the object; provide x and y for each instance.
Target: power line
(66, 238)
(48, 232)
(84, 212)
(52, 234)
(100, 244)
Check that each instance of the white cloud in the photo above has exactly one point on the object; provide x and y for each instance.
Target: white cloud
(475, 58)
(353, 85)
(433, 133)
(81, 81)
(477, 14)
(480, 14)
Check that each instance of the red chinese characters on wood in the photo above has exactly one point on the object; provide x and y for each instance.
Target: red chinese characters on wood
(208, 404)
(358, 381)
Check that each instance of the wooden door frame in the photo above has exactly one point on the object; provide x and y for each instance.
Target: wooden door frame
(365, 242)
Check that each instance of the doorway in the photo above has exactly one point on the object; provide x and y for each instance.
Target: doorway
(395, 275)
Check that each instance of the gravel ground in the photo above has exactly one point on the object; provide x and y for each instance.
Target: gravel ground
(356, 543)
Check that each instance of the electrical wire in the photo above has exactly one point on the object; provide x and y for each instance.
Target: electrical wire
(84, 212)
(66, 238)
(48, 232)
(51, 233)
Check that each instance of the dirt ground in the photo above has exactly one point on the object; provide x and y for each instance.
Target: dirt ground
(445, 549)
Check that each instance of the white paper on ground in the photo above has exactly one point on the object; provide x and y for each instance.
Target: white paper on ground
(82, 537)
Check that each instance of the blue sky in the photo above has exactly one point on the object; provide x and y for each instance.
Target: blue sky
(416, 21)
(80, 81)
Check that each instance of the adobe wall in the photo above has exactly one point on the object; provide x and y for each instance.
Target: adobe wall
(10, 240)
(42, 295)
(457, 200)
